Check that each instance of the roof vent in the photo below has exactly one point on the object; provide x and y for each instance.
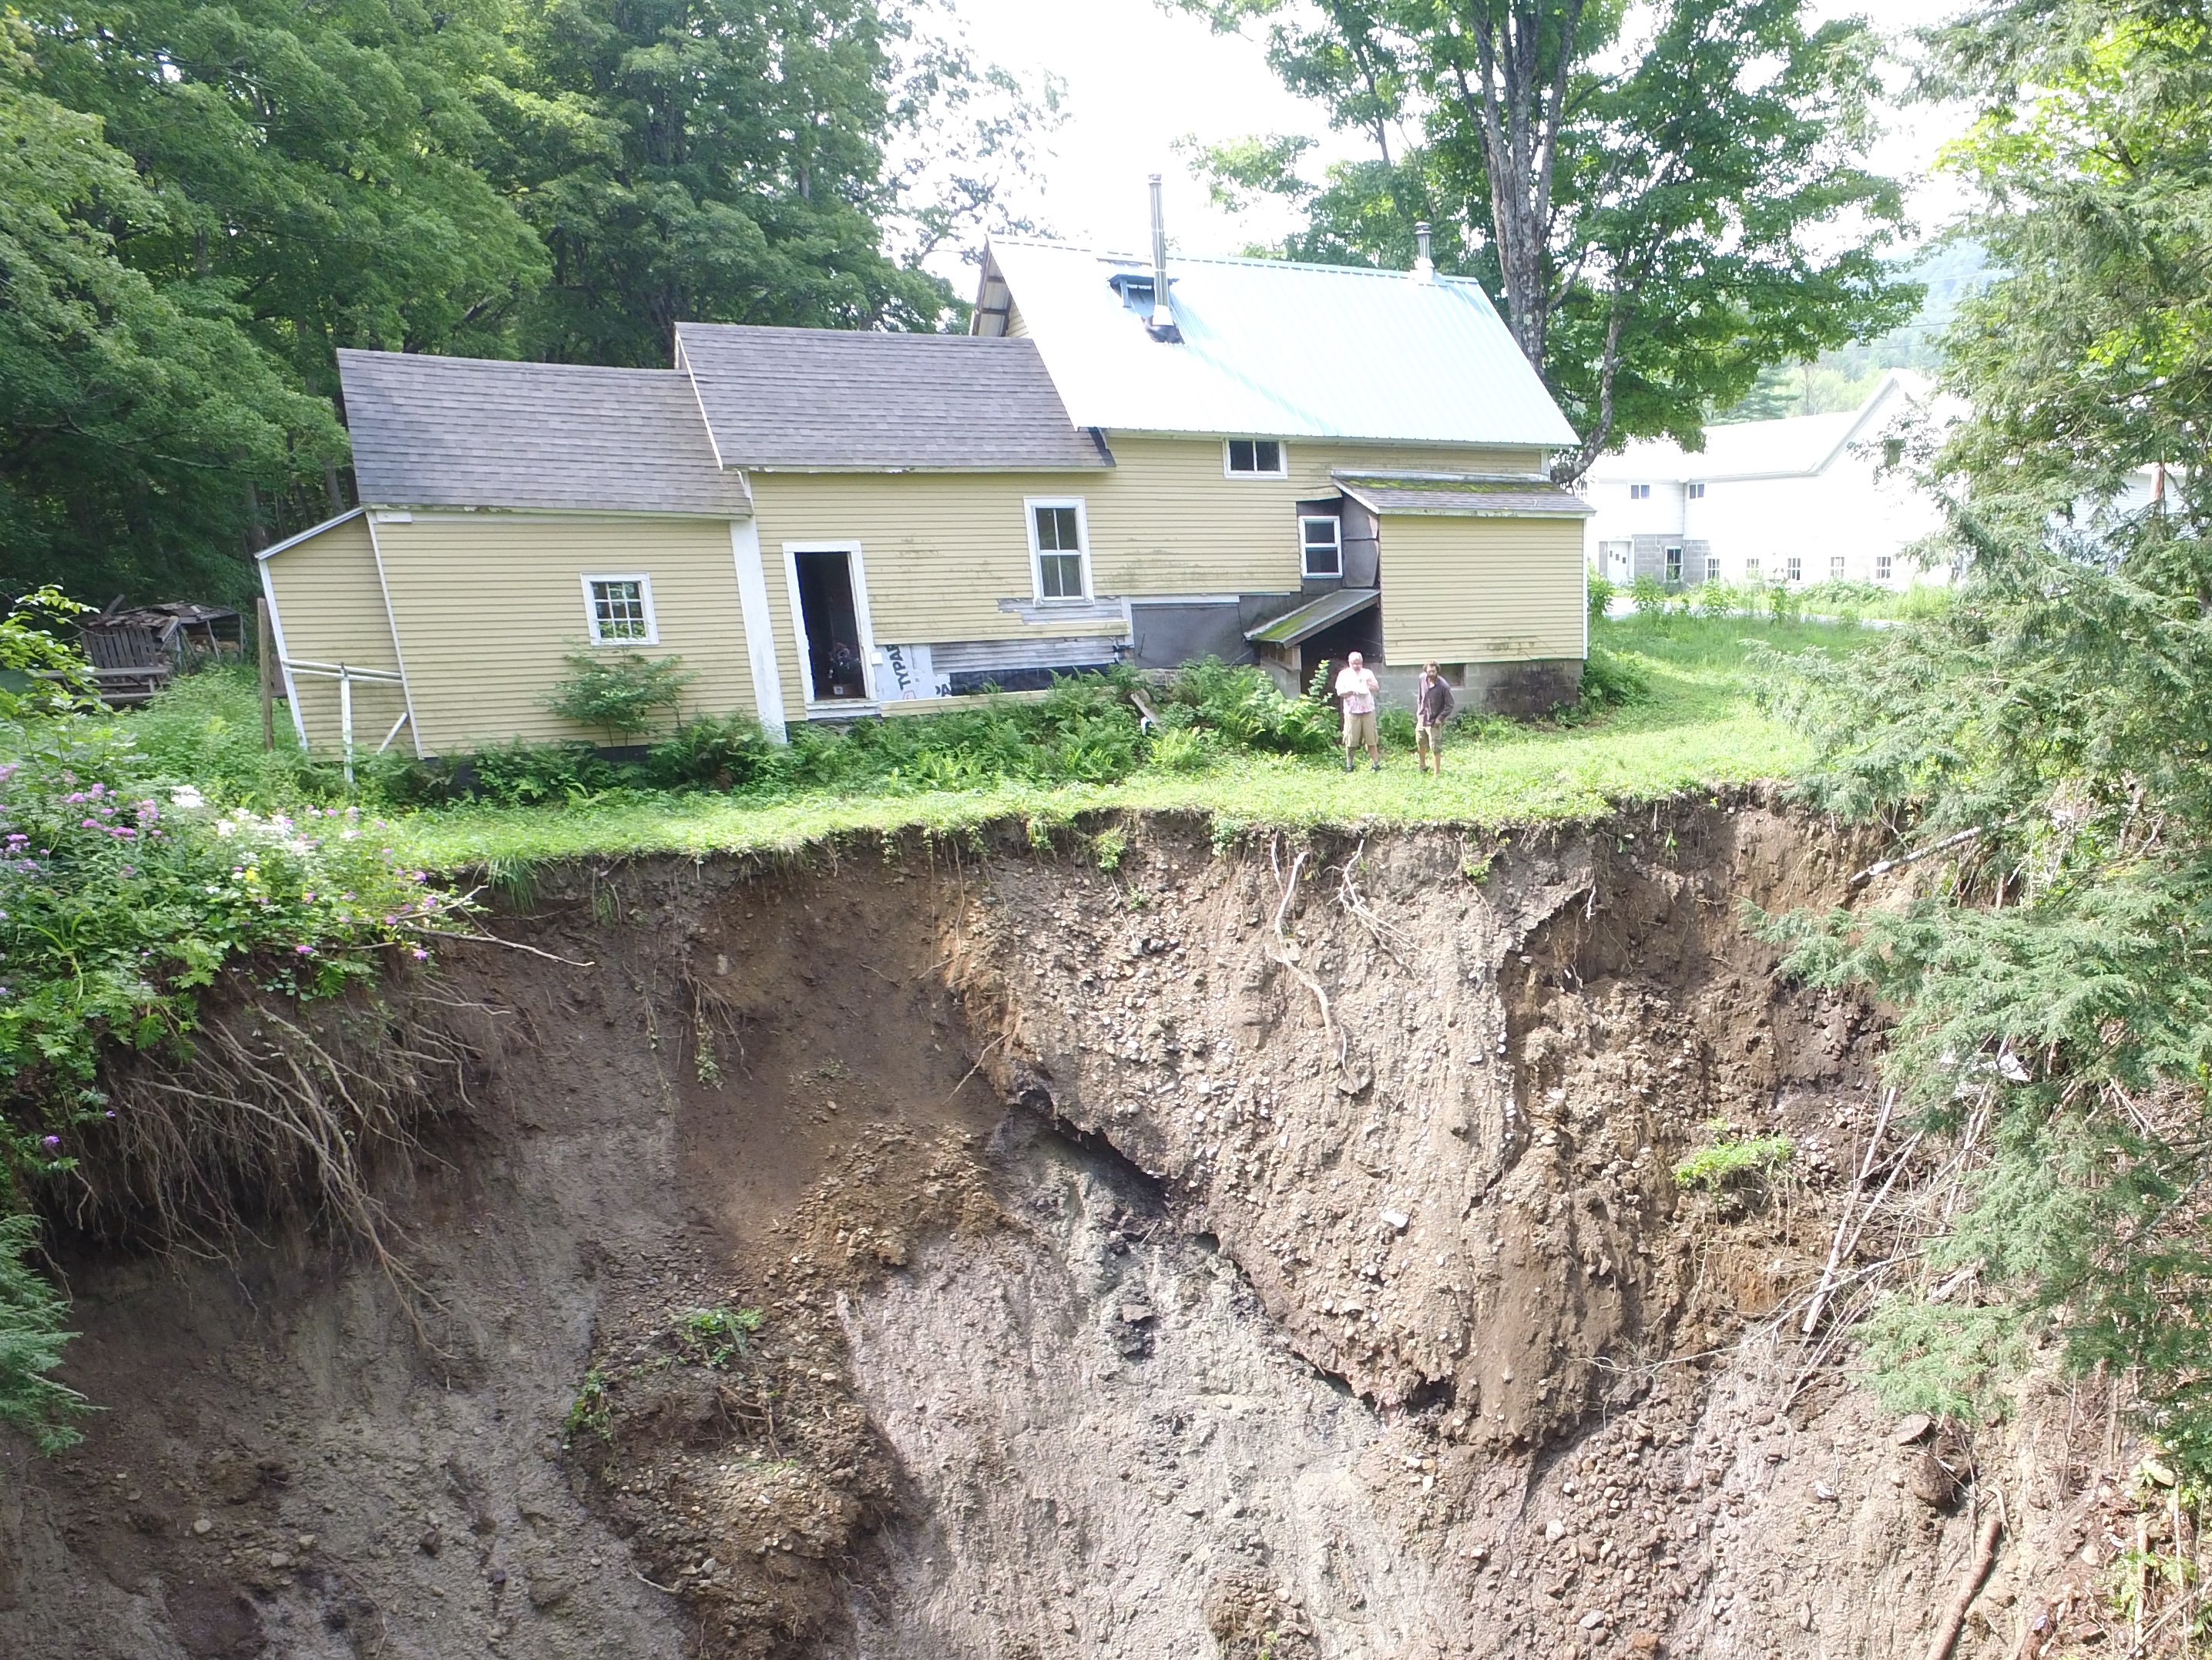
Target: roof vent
(1163, 325)
(1424, 268)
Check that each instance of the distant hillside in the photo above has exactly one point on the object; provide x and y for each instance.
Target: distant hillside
(1841, 379)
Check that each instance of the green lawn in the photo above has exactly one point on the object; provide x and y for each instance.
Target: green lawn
(1699, 725)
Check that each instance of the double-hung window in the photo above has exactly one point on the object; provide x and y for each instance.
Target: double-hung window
(1751, 569)
(1255, 457)
(619, 611)
(1712, 567)
(1674, 566)
(1794, 567)
(1884, 567)
(1322, 537)
(1835, 568)
(1059, 543)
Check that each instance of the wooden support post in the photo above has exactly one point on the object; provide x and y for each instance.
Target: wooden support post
(264, 650)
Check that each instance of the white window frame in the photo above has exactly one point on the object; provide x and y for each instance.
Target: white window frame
(1670, 564)
(1336, 534)
(1029, 507)
(1282, 458)
(1885, 567)
(1751, 569)
(1835, 568)
(645, 597)
(1712, 567)
(1793, 567)
(1639, 493)
(1698, 490)
(856, 567)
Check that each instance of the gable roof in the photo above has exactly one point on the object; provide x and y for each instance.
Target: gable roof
(1276, 349)
(461, 432)
(1791, 446)
(839, 400)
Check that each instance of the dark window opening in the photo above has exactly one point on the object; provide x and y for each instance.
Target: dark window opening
(832, 622)
(1322, 540)
(1255, 455)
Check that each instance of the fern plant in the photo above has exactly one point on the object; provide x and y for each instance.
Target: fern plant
(31, 1339)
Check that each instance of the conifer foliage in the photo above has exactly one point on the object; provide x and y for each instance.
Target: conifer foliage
(2051, 733)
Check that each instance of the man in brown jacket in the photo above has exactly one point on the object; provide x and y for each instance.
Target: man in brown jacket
(1432, 707)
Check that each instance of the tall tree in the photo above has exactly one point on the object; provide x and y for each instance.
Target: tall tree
(720, 161)
(1665, 216)
(2057, 991)
(136, 419)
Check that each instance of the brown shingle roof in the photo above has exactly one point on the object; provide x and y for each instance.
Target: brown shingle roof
(841, 400)
(458, 432)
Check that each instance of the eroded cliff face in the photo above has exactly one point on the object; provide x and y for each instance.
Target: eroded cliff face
(1270, 1248)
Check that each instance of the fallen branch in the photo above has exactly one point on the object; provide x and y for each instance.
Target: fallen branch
(1883, 867)
(511, 945)
(1977, 1571)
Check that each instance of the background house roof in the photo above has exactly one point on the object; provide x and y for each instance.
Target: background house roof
(1792, 446)
(837, 400)
(459, 432)
(1275, 349)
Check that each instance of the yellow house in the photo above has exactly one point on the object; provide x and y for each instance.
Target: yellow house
(1122, 462)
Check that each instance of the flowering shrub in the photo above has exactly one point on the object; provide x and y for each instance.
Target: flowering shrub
(118, 901)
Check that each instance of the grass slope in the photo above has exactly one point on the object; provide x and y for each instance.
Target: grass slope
(1700, 726)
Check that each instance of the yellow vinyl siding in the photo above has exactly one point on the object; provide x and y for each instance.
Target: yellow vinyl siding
(329, 609)
(489, 605)
(942, 549)
(1464, 590)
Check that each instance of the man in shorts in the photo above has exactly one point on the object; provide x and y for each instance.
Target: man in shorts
(1356, 687)
(1432, 707)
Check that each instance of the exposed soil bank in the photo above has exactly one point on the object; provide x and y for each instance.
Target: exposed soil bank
(1271, 1251)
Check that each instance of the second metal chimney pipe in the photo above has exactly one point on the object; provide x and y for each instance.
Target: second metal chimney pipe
(1424, 268)
(1162, 308)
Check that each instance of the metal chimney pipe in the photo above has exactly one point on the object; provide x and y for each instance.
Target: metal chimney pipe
(1162, 308)
(1424, 268)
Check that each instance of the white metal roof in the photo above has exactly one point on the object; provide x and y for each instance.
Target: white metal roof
(1271, 348)
(1792, 446)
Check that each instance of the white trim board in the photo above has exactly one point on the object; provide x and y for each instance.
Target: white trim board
(643, 580)
(760, 628)
(399, 656)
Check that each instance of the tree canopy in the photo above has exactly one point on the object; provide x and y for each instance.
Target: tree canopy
(200, 202)
(1665, 213)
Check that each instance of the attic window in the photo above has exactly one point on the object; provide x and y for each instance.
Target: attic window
(1255, 458)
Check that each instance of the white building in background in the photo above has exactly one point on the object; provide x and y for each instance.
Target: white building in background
(1802, 499)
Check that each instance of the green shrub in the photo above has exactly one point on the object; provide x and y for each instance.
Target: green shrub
(1839, 597)
(1600, 594)
(1784, 602)
(1731, 1159)
(204, 730)
(31, 1339)
(522, 774)
(1396, 727)
(1610, 681)
(1717, 598)
(618, 691)
(1245, 707)
(1178, 749)
(711, 754)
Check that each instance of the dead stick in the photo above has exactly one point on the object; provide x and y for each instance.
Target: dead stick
(1986, 1557)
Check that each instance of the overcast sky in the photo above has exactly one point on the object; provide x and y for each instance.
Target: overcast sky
(1138, 77)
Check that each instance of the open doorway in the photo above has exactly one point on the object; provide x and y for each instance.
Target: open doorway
(829, 619)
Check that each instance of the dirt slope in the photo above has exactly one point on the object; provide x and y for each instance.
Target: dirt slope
(1113, 1298)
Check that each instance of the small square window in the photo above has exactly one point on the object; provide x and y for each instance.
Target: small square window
(1321, 537)
(1639, 493)
(1255, 458)
(1697, 492)
(1057, 527)
(1793, 569)
(620, 610)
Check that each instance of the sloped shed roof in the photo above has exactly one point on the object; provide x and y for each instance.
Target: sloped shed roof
(838, 400)
(1466, 497)
(459, 432)
(1276, 349)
